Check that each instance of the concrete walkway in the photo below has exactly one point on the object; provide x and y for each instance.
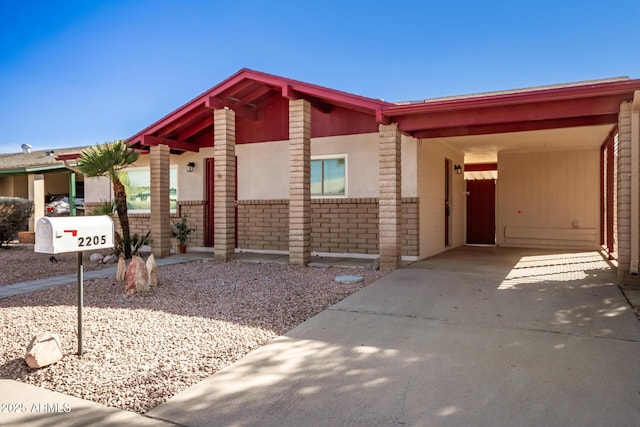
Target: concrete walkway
(475, 336)
(48, 282)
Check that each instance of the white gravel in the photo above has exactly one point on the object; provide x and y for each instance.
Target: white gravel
(19, 263)
(141, 350)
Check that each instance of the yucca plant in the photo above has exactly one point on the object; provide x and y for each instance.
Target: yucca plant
(108, 160)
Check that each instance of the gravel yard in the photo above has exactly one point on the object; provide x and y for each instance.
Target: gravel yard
(18, 263)
(142, 350)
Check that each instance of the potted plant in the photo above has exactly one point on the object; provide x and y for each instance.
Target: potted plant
(182, 231)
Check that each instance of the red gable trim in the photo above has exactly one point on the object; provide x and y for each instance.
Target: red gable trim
(287, 86)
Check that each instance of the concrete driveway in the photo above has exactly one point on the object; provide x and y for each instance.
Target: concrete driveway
(475, 336)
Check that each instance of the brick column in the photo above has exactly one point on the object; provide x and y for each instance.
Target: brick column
(299, 181)
(390, 199)
(160, 219)
(224, 153)
(623, 201)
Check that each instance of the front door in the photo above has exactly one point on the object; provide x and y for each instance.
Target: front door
(208, 211)
(481, 211)
(447, 192)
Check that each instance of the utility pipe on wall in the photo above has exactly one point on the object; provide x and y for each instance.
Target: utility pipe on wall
(635, 184)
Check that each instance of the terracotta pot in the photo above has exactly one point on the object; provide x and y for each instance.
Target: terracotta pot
(182, 248)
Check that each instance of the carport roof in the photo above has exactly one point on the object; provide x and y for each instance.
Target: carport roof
(551, 107)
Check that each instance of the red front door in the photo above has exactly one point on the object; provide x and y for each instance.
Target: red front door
(481, 211)
(208, 211)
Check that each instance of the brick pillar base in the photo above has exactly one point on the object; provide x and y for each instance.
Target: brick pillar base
(224, 153)
(299, 182)
(160, 217)
(390, 201)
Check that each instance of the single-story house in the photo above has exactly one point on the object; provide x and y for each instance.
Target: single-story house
(32, 174)
(266, 163)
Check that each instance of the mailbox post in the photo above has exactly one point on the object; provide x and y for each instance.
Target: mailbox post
(56, 235)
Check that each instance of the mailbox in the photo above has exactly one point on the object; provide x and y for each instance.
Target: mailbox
(56, 235)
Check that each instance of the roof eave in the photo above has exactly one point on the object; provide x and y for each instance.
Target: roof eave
(556, 94)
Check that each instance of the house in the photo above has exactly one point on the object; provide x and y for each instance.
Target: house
(32, 174)
(265, 163)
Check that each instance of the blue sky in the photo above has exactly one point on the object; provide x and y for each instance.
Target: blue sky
(82, 72)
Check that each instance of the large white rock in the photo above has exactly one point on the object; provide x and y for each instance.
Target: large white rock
(96, 257)
(152, 268)
(136, 279)
(44, 350)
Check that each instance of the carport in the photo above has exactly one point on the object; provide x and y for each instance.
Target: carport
(560, 157)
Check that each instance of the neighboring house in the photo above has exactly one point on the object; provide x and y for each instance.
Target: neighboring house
(265, 163)
(34, 174)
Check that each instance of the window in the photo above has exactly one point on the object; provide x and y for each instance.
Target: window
(137, 182)
(329, 176)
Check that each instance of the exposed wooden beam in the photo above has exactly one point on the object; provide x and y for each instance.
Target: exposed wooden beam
(515, 127)
(480, 167)
(194, 129)
(215, 103)
(151, 140)
(251, 97)
(320, 105)
(238, 87)
(567, 109)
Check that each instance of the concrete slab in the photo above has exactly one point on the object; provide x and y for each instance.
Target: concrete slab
(345, 368)
(28, 405)
(586, 306)
(491, 337)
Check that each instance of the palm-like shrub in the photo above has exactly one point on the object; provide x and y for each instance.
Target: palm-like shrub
(108, 160)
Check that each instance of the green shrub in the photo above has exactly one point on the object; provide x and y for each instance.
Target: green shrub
(14, 216)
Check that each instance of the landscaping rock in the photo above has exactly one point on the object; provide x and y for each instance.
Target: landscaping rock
(318, 265)
(109, 258)
(122, 265)
(136, 278)
(348, 280)
(152, 268)
(96, 257)
(44, 350)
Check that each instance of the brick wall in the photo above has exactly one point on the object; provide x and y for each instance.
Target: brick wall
(263, 224)
(337, 225)
(344, 225)
(410, 227)
(194, 211)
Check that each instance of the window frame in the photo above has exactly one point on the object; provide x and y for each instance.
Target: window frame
(172, 168)
(339, 156)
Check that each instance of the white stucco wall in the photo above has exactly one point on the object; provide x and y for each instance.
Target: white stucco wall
(97, 190)
(431, 155)
(262, 179)
(549, 199)
(263, 169)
